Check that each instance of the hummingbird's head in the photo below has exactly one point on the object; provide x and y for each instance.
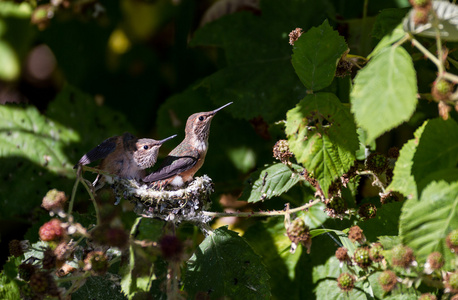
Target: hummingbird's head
(198, 124)
(146, 151)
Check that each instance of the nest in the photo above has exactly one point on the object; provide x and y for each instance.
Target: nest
(183, 205)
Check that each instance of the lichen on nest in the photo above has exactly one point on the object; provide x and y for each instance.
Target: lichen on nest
(173, 205)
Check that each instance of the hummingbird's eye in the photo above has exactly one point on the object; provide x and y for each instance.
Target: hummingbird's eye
(145, 147)
(201, 118)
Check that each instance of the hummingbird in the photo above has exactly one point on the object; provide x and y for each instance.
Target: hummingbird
(125, 156)
(185, 160)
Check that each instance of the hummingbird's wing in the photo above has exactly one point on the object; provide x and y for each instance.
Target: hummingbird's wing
(172, 166)
(99, 152)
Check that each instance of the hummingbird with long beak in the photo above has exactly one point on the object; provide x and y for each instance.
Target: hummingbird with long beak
(185, 160)
(125, 156)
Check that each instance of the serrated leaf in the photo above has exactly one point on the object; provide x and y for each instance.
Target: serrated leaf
(385, 92)
(272, 182)
(316, 54)
(436, 151)
(224, 265)
(322, 135)
(403, 180)
(425, 223)
(33, 155)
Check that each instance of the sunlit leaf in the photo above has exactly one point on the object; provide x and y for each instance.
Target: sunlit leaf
(426, 232)
(273, 181)
(316, 54)
(322, 135)
(385, 92)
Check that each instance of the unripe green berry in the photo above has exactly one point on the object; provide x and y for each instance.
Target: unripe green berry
(452, 241)
(451, 282)
(427, 296)
(402, 256)
(377, 163)
(361, 257)
(337, 204)
(376, 252)
(346, 282)
(387, 280)
(435, 261)
(441, 90)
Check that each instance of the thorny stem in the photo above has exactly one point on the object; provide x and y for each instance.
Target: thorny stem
(261, 213)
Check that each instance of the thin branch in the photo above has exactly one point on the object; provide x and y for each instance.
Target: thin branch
(426, 52)
(261, 213)
(97, 214)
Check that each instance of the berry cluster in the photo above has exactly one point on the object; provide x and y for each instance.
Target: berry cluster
(396, 266)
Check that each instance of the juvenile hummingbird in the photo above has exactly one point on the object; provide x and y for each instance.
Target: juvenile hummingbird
(185, 160)
(125, 156)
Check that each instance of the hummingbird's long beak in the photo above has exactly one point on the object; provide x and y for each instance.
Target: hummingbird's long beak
(166, 139)
(218, 109)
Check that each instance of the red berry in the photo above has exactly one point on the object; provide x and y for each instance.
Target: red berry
(51, 231)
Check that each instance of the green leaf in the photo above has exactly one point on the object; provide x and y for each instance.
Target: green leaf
(322, 135)
(388, 40)
(270, 242)
(387, 218)
(362, 151)
(33, 155)
(272, 182)
(9, 288)
(385, 92)
(437, 150)
(315, 216)
(387, 20)
(389, 242)
(425, 223)
(224, 265)
(40, 151)
(316, 54)
(326, 278)
(430, 156)
(403, 180)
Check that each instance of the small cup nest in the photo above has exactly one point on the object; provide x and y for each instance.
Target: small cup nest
(180, 205)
